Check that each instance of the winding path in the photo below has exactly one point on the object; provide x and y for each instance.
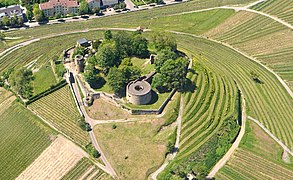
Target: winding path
(235, 145)
(172, 155)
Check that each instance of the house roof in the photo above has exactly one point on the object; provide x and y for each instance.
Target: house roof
(10, 10)
(53, 3)
(82, 41)
(109, 2)
(88, 1)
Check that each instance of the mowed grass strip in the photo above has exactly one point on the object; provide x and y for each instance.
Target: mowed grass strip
(23, 138)
(268, 102)
(59, 109)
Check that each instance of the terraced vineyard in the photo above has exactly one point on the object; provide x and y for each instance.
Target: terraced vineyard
(209, 123)
(59, 109)
(261, 37)
(279, 8)
(85, 169)
(258, 157)
(23, 138)
(41, 52)
(268, 102)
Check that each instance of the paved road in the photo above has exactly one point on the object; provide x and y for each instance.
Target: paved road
(171, 156)
(272, 136)
(234, 146)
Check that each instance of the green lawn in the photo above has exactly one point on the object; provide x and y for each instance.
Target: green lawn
(44, 78)
(140, 63)
(196, 23)
(23, 138)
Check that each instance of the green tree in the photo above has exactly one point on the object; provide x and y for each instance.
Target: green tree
(162, 41)
(116, 80)
(14, 21)
(163, 56)
(108, 35)
(107, 55)
(172, 75)
(126, 62)
(21, 82)
(5, 21)
(29, 15)
(130, 73)
(123, 44)
(139, 46)
(38, 14)
(83, 7)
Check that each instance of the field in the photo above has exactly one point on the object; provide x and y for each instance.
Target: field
(44, 78)
(132, 148)
(136, 149)
(259, 157)
(268, 102)
(209, 111)
(59, 109)
(196, 23)
(61, 156)
(85, 169)
(279, 8)
(23, 137)
(256, 36)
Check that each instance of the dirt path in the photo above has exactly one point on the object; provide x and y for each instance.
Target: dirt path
(272, 136)
(234, 146)
(171, 156)
(77, 96)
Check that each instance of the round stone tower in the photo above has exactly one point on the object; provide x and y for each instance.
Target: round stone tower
(79, 62)
(139, 92)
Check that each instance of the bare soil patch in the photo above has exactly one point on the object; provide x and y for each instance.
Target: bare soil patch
(55, 161)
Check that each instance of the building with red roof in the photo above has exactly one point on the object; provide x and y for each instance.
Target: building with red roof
(53, 7)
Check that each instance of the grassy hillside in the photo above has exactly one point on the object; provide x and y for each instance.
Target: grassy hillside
(258, 157)
(23, 138)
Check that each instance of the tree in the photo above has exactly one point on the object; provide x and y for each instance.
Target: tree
(126, 62)
(162, 41)
(130, 73)
(163, 56)
(83, 7)
(38, 14)
(29, 15)
(172, 75)
(123, 44)
(139, 46)
(116, 80)
(21, 81)
(96, 10)
(5, 21)
(108, 35)
(14, 21)
(107, 55)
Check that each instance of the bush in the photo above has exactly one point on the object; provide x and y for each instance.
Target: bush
(92, 151)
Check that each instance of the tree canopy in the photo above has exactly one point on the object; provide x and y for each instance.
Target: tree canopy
(107, 55)
(163, 40)
(21, 82)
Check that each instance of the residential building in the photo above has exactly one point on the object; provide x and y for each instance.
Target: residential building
(109, 3)
(59, 7)
(94, 3)
(10, 11)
